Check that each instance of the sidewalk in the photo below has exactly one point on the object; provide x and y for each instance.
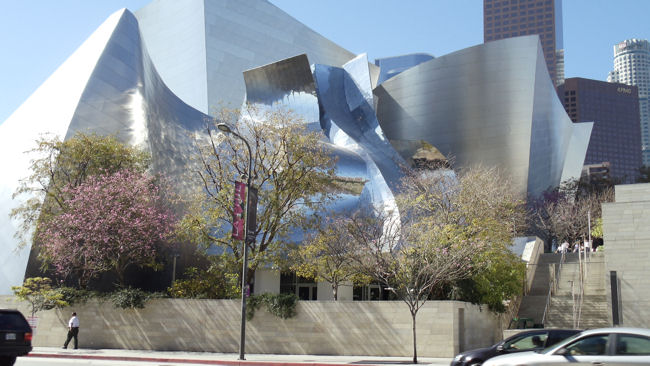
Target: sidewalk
(205, 358)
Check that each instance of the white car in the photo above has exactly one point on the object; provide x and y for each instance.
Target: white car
(605, 346)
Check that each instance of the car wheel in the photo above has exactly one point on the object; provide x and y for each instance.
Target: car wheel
(7, 360)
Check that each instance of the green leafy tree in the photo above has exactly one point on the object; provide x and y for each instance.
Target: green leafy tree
(215, 282)
(495, 283)
(291, 169)
(597, 228)
(328, 256)
(488, 210)
(40, 295)
(58, 165)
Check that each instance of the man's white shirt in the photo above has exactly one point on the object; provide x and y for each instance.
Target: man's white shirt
(74, 322)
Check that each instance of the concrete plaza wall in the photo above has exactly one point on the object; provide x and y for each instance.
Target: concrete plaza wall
(374, 328)
(626, 231)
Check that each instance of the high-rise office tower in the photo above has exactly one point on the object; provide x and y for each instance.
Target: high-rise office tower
(614, 109)
(513, 18)
(632, 67)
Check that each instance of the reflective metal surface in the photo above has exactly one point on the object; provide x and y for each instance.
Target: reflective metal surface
(391, 66)
(108, 86)
(290, 84)
(287, 83)
(48, 110)
(348, 119)
(492, 104)
(200, 48)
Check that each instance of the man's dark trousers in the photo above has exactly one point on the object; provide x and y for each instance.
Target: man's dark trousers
(73, 332)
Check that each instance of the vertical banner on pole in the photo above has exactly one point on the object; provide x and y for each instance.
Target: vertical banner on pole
(239, 211)
(251, 220)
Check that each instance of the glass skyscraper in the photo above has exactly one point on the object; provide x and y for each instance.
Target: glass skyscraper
(632, 67)
(614, 109)
(513, 18)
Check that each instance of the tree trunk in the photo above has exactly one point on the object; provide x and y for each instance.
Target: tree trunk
(335, 291)
(415, 347)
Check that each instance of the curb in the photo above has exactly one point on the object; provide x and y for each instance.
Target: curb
(188, 361)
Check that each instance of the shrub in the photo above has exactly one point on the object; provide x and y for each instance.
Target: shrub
(73, 295)
(213, 283)
(132, 298)
(280, 305)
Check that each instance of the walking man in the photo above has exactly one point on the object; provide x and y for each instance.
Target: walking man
(73, 331)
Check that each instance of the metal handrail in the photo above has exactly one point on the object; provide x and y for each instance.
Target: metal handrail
(582, 275)
(552, 286)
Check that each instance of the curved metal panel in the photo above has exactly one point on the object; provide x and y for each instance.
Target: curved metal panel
(492, 104)
(109, 86)
(349, 120)
(576, 151)
(200, 48)
(344, 100)
(48, 110)
(287, 83)
(392, 66)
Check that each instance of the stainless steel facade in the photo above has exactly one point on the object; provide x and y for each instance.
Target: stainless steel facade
(391, 66)
(108, 86)
(201, 47)
(492, 104)
(150, 80)
(339, 103)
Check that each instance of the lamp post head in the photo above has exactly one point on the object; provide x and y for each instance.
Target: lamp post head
(224, 128)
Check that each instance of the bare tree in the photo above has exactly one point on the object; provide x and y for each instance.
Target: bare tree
(449, 225)
(409, 269)
(564, 214)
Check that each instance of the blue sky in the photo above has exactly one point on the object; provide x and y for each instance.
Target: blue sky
(36, 36)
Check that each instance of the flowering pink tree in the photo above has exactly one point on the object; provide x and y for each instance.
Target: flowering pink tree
(110, 222)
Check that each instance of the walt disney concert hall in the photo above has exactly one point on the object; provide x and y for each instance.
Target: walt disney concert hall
(151, 78)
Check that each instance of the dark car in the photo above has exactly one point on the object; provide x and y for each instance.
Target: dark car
(15, 336)
(525, 341)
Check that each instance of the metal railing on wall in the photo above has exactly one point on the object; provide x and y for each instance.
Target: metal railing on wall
(578, 299)
(553, 285)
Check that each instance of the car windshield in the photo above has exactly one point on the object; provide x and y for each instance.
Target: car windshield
(547, 349)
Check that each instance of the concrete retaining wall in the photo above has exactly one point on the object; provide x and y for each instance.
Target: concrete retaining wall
(374, 328)
(626, 231)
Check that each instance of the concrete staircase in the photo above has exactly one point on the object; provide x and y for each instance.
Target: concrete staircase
(594, 313)
(533, 303)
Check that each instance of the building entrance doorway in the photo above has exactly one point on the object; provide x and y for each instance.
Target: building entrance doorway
(307, 291)
(369, 292)
(304, 288)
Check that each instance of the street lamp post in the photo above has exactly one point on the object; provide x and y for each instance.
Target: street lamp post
(242, 340)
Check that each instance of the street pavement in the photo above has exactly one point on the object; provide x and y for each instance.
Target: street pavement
(205, 358)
